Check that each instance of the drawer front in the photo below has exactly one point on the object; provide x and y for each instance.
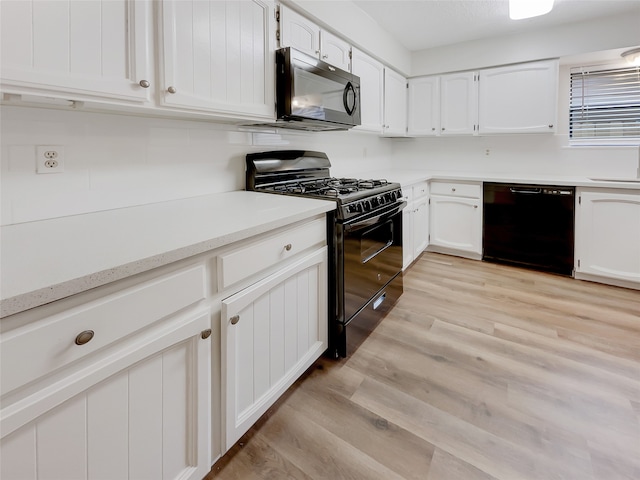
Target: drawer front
(420, 190)
(456, 189)
(251, 259)
(37, 349)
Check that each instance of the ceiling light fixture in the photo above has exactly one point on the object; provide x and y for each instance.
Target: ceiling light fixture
(519, 9)
(632, 56)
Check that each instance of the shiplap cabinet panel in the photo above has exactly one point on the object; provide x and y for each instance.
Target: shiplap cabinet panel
(85, 50)
(218, 56)
(142, 412)
(608, 234)
(272, 332)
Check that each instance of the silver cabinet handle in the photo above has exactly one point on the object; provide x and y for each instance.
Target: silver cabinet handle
(204, 334)
(325, 56)
(235, 319)
(84, 337)
(288, 247)
(144, 83)
(171, 90)
(317, 52)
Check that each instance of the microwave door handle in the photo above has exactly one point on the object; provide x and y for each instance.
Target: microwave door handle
(345, 98)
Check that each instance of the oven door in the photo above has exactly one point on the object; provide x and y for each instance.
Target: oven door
(372, 258)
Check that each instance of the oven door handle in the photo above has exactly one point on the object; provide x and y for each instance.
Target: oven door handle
(374, 218)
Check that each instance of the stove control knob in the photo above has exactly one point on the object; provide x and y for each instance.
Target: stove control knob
(366, 205)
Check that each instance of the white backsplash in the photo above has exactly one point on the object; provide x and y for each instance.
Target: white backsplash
(516, 154)
(116, 161)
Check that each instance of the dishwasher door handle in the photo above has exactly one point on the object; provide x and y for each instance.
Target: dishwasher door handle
(525, 190)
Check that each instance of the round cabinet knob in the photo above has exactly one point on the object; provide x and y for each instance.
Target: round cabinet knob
(84, 337)
(204, 334)
(551, 126)
(433, 129)
(235, 319)
(453, 189)
(475, 206)
(325, 57)
(288, 247)
(144, 83)
(171, 90)
(443, 129)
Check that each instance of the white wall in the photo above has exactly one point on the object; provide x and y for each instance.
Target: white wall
(115, 161)
(571, 39)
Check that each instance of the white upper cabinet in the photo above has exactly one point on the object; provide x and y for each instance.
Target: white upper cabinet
(459, 104)
(299, 32)
(218, 56)
(335, 51)
(424, 106)
(302, 34)
(371, 73)
(97, 50)
(519, 98)
(395, 104)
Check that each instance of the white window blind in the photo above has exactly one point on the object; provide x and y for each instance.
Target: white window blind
(605, 104)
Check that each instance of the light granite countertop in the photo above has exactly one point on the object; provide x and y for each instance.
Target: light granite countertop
(51, 259)
(409, 177)
(47, 260)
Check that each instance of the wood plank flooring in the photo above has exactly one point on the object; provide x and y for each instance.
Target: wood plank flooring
(480, 372)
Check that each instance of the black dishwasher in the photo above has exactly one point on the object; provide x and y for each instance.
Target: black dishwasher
(529, 226)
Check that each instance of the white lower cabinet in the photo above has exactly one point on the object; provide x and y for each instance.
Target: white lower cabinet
(415, 226)
(140, 411)
(607, 236)
(455, 224)
(272, 331)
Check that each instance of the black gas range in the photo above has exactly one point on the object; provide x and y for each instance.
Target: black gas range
(364, 236)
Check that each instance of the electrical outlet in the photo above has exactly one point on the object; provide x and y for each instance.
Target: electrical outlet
(49, 159)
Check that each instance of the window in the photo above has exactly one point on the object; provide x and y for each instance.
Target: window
(605, 105)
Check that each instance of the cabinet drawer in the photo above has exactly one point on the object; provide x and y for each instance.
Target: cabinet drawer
(266, 252)
(456, 189)
(420, 190)
(37, 349)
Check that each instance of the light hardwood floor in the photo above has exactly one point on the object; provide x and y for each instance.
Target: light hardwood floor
(480, 372)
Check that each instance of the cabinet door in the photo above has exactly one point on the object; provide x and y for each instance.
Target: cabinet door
(141, 412)
(298, 32)
(407, 236)
(456, 223)
(395, 104)
(371, 73)
(272, 332)
(217, 57)
(608, 234)
(76, 50)
(335, 51)
(420, 226)
(519, 98)
(458, 104)
(424, 106)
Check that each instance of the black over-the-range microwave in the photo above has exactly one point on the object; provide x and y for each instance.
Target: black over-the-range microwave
(314, 95)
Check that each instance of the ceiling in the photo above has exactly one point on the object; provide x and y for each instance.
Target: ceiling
(423, 24)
